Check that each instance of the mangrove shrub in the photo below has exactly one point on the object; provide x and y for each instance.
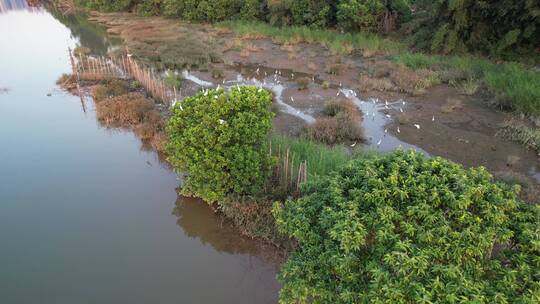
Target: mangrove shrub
(218, 137)
(403, 228)
(492, 27)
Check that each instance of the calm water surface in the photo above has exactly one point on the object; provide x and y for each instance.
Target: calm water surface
(86, 214)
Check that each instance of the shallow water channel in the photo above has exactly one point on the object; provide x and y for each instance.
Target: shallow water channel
(87, 214)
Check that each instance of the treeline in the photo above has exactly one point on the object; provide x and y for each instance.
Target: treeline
(445, 26)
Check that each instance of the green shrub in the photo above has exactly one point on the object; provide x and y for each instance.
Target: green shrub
(491, 27)
(310, 13)
(219, 139)
(359, 14)
(150, 8)
(251, 10)
(403, 228)
(107, 5)
(173, 80)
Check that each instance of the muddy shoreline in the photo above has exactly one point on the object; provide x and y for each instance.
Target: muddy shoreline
(427, 120)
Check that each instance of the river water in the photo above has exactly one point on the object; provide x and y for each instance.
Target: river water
(87, 214)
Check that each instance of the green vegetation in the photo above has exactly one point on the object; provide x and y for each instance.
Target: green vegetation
(520, 132)
(403, 228)
(513, 84)
(218, 137)
(366, 43)
(321, 159)
(491, 27)
(172, 80)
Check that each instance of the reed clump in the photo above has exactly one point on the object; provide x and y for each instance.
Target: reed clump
(133, 111)
(109, 88)
(341, 123)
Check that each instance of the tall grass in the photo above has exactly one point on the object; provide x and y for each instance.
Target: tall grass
(321, 159)
(343, 43)
(513, 84)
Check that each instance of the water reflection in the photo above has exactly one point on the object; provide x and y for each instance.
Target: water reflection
(90, 35)
(199, 221)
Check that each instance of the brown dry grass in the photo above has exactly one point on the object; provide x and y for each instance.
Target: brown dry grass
(161, 42)
(451, 105)
(67, 82)
(413, 82)
(133, 111)
(303, 83)
(126, 110)
(389, 76)
(367, 83)
(335, 68)
(109, 88)
(312, 66)
(341, 123)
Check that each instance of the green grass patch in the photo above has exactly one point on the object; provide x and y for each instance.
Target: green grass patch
(343, 43)
(321, 159)
(519, 132)
(514, 85)
(416, 61)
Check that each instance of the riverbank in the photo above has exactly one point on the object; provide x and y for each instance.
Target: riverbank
(450, 112)
(229, 93)
(89, 214)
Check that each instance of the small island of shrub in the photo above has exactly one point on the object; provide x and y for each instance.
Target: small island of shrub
(219, 138)
(404, 228)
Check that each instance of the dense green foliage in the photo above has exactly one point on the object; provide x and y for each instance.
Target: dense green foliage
(403, 228)
(492, 27)
(346, 14)
(219, 138)
(513, 85)
(358, 14)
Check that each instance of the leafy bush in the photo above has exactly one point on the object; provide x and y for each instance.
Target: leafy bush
(219, 139)
(311, 13)
(492, 27)
(403, 228)
(107, 5)
(359, 14)
(150, 8)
